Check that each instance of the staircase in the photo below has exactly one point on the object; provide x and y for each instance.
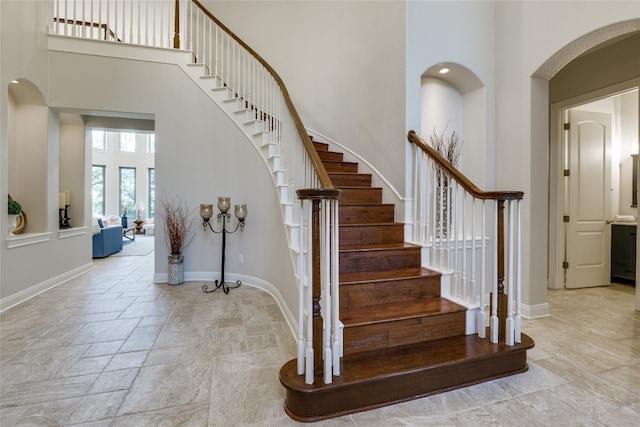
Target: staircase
(402, 340)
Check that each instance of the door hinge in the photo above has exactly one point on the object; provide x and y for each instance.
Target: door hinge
(566, 172)
(565, 265)
(567, 126)
(565, 218)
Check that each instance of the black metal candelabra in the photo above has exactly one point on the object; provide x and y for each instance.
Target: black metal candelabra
(224, 218)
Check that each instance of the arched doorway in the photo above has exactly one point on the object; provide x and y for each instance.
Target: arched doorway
(591, 67)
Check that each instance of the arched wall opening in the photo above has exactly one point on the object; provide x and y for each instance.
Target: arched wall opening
(27, 135)
(452, 99)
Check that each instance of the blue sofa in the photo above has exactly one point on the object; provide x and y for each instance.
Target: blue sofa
(108, 241)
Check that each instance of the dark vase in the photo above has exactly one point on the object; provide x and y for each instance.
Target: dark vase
(124, 222)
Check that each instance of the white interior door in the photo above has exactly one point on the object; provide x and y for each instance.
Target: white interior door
(589, 185)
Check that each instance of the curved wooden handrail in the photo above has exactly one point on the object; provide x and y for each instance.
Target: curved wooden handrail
(459, 177)
(315, 158)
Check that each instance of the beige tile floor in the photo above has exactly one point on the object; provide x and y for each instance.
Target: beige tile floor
(110, 348)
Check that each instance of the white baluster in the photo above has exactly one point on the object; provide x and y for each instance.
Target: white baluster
(326, 290)
(509, 335)
(465, 290)
(308, 304)
(301, 290)
(474, 288)
(335, 289)
(482, 313)
(493, 327)
(518, 295)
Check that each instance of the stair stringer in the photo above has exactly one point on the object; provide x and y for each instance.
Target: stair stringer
(256, 132)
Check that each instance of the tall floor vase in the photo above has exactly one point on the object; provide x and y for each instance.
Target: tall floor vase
(176, 269)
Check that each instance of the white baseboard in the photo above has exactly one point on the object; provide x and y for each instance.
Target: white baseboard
(535, 311)
(26, 294)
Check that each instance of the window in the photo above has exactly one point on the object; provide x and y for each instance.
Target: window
(98, 140)
(97, 189)
(151, 143)
(127, 189)
(151, 196)
(127, 142)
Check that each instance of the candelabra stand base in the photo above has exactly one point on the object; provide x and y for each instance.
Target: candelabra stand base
(221, 284)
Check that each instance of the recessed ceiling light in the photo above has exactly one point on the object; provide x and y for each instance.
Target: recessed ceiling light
(444, 70)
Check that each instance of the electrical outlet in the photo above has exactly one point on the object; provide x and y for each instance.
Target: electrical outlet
(241, 259)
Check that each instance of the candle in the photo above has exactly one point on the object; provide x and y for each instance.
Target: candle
(61, 200)
(67, 197)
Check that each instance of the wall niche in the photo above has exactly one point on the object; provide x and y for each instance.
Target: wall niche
(28, 152)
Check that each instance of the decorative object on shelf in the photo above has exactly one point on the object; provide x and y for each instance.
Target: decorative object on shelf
(450, 148)
(137, 208)
(178, 229)
(64, 203)
(224, 217)
(17, 217)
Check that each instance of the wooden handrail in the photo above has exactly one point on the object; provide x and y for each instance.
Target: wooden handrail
(315, 158)
(499, 197)
(104, 27)
(459, 177)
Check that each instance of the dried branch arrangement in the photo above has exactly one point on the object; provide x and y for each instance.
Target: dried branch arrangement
(449, 147)
(178, 225)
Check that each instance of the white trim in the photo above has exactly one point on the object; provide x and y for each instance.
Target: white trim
(111, 49)
(535, 311)
(208, 276)
(17, 241)
(26, 294)
(72, 232)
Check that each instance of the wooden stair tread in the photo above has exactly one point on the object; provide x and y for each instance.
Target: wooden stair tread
(382, 275)
(379, 247)
(397, 311)
(372, 224)
(338, 161)
(348, 173)
(430, 354)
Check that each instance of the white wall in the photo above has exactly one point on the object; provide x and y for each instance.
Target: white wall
(623, 109)
(200, 155)
(627, 123)
(460, 32)
(343, 63)
(23, 49)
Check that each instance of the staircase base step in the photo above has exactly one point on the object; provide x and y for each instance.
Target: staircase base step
(379, 378)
